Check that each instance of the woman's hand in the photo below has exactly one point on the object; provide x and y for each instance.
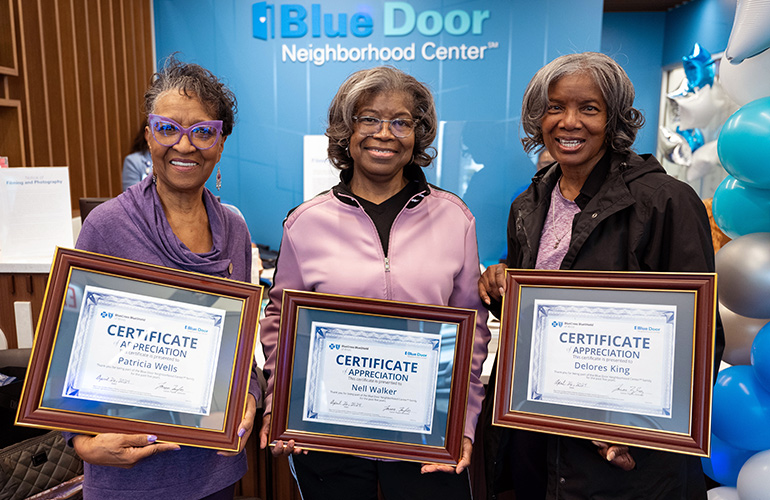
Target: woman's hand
(118, 450)
(247, 424)
(492, 284)
(463, 464)
(280, 448)
(616, 454)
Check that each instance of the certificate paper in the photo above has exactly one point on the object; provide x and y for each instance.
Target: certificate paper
(600, 355)
(371, 377)
(144, 351)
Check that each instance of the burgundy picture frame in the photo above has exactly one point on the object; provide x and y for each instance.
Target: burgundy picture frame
(534, 282)
(340, 442)
(33, 414)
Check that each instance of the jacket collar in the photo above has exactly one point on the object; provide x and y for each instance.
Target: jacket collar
(604, 193)
(412, 172)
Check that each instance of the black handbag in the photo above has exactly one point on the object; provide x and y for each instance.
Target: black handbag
(37, 464)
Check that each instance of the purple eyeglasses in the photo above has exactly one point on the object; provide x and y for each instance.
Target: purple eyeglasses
(167, 132)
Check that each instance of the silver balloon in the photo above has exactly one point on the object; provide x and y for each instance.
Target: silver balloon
(739, 335)
(754, 477)
(743, 266)
(723, 493)
(675, 147)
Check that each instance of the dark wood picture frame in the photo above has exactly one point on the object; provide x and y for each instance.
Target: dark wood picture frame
(514, 345)
(338, 440)
(245, 297)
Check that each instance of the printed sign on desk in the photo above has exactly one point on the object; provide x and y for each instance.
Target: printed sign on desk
(30, 230)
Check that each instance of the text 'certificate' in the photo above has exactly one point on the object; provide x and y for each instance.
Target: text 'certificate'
(144, 351)
(602, 355)
(371, 377)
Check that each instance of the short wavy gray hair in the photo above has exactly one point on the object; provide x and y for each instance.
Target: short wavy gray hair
(362, 86)
(623, 120)
(194, 81)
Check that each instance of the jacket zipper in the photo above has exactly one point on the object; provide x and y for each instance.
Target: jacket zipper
(386, 260)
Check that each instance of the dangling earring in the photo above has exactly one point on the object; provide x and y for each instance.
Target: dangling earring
(219, 179)
(154, 179)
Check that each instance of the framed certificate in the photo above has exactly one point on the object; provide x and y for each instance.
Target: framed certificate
(372, 377)
(622, 357)
(128, 347)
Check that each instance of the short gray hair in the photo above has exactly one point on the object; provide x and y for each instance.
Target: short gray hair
(364, 85)
(196, 82)
(623, 120)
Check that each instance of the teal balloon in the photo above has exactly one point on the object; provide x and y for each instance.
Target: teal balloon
(760, 356)
(725, 462)
(741, 409)
(741, 209)
(744, 141)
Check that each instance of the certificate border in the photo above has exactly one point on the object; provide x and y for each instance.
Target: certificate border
(702, 285)
(465, 319)
(32, 413)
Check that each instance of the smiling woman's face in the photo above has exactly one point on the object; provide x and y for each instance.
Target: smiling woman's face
(575, 122)
(182, 168)
(381, 157)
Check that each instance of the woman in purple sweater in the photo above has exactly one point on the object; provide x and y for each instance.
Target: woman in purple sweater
(170, 219)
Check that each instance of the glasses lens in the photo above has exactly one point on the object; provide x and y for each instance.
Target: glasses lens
(402, 127)
(204, 136)
(368, 125)
(165, 133)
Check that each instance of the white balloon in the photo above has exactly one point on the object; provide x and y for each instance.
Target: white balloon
(747, 81)
(706, 109)
(704, 159)
(754, 477)
(750, 34)
(723, 493)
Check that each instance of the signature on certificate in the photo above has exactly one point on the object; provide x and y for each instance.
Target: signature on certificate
(397, 410)
(569, 384)
(171, 388)
(112, 380)
(631, 390)
(345, 404)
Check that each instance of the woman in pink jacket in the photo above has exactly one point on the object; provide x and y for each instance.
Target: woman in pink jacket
(383, 232)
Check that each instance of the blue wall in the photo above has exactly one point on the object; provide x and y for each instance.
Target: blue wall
(635, 41)
(707, 22)
(281, 101)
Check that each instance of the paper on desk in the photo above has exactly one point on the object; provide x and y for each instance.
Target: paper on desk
(35, 213)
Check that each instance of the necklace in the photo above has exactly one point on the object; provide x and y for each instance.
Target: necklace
(553, 225)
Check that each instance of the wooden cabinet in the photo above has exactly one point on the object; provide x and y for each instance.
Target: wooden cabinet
(19, 287)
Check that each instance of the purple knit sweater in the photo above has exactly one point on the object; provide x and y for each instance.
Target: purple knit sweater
(134, 226)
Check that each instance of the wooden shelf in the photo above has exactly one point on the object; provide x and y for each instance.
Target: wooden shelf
(8, 58)
(11, 136)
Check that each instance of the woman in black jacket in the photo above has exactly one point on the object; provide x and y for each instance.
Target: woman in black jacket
(599, 207)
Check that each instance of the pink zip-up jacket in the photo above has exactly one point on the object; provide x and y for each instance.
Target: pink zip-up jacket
(330, 245)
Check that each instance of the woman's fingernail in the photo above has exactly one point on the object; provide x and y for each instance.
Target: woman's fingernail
(151, 438)
(241, 432)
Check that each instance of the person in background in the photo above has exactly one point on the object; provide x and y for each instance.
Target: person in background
(599, 207)
(170, 219)
(544, 159)
(384, 233)
(138, 164)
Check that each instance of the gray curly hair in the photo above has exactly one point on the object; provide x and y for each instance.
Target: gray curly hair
(193, 81)
(623, 120)
(364, 85)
